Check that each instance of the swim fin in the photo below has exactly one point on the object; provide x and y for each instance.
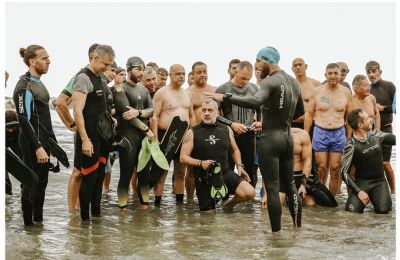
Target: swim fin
(321, 193)
(58, 152)
(20, 170)
(144, 155)
(158, 155)
(218, 187)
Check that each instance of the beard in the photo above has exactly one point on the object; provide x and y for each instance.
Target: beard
(133, 78)
(264, 72)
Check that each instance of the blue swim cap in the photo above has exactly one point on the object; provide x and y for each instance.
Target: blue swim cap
(269, 55)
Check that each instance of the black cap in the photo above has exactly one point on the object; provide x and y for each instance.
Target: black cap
(134, 62)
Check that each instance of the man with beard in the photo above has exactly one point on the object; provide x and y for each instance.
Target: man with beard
(232, 68)
(280, 101)
(200, 77)
(31, 98)
(200, 153)
(329, 107)
(139, 99)
(384, 92)
(242, 119)
(89, 101)
(171, 101)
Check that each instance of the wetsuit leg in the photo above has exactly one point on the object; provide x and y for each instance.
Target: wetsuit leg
(98, 186)
(247, 146)
(127, 163)
(143, 185)
(43, 173)
(353, 203)
(380, 197)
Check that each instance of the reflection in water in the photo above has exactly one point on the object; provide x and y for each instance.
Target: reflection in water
(181, 232)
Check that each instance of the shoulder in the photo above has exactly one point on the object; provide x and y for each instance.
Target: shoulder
(211, 88)
(223, 88)
(372, 98)
(253, 87)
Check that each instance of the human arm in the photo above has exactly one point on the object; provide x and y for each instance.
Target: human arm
(78, 101)
(377, 115)
(236, 156)
(346, 165)
(157, 104)
(310, 112)
(349, 108)
(306, 156)
(62, 103)
(386, 138)
(186, 151)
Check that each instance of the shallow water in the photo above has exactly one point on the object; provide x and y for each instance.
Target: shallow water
(181, 232)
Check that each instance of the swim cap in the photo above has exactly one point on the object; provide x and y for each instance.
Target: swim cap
(119, 70)
(114, 65)
(269, 55)
(134, 62)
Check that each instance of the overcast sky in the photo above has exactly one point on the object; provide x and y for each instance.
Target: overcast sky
(215, 33)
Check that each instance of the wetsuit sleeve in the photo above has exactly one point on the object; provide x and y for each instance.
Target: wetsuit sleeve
(389, 108)
(386, 138)
(148, 111)
(299, 108)
(346, 163)
(252, 102)
(224, 120)
(23, 98)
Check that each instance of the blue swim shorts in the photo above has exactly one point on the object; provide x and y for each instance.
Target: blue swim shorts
(329, 140)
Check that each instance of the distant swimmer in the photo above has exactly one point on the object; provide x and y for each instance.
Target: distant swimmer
(36, 129)
(208, 143)
(89, 101)
(363, 99)
(280, 101)
(364, 152)
(328, 108)
(171, 101)
(307, 84)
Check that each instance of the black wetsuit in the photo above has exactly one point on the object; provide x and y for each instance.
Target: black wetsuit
(281, 102)
(366, 156)
(32, 101)
(211, 142)
(12, 135)
(92, 168)
(139, 98)
(242, 115)
(384, 92)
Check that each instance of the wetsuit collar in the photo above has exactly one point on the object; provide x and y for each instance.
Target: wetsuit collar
(35, 79)
(209, 125)
(276, 71)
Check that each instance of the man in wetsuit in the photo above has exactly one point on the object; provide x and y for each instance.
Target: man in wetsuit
(31, 98)
(200, 77)
(242, 119)
(364, 152)
(280, 101)
(149, 80)
(384, 92)
(139, 99)
(307, 84)
(328, 107)
(171, 101)
(89, 101)
(363, 99)
(211, 141)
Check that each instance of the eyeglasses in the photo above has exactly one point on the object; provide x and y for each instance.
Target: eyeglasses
(345, 70)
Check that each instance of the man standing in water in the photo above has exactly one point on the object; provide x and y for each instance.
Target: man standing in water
(280, 101)
(171, 101)
(328, 107)
(89, 102)
(30, 93)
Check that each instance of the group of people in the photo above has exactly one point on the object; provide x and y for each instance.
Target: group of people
(292, 128)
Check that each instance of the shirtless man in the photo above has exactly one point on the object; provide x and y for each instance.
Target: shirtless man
(171, 101)
(329, 106)
(200, 77)
(363, 99)
(190, 79)
(307, 85)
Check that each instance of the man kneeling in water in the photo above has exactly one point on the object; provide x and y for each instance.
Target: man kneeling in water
(364, 151)
(210, 142)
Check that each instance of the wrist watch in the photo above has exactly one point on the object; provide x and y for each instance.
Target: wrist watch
(227, 96)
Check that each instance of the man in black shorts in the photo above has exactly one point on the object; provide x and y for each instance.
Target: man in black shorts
(384, 92)
(211, 142)
(364, 152)
(280, 101)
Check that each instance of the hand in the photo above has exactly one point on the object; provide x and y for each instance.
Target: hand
(264, 201)
(150, 135)
(87, 148)
(380, 107)
(256, 126)
(130, 114)
(363, 197)
(238, 128)
(41, 155)
(216, 96)
(206, 164)
(242, 173)
(302, 190)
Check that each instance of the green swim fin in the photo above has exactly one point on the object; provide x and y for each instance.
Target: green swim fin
(218, 187)
(144, 155)
(158, 155)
